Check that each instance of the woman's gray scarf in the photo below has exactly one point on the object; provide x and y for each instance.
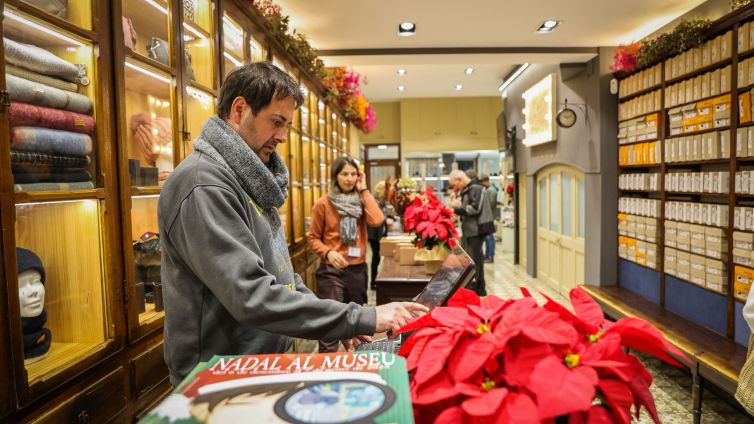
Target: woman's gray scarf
(349, 208)
(266, 184)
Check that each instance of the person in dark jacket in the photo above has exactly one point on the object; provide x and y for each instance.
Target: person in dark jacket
(489, 241)
(476, 220)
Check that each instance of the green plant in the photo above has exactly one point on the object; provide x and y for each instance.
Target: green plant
(685, 36)
(737, 4)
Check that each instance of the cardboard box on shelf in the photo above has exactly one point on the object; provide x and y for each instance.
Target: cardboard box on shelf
(742, 257)
(742, 280)
(742, 240)
(743, 37)
(718, 284)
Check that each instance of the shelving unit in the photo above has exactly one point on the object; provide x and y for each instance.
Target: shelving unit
(697, 65)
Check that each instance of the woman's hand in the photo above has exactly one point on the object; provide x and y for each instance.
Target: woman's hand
(361, 182)
(337, 260)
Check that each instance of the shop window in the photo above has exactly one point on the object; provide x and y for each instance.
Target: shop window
(146, 28)
(77, 12)
(233, 36)
(198, 57)
(200, 106)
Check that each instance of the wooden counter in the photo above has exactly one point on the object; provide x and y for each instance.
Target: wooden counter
(399, 283)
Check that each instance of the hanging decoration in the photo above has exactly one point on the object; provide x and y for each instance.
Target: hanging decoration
(342, 85)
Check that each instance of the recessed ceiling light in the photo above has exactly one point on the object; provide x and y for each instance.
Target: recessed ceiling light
(401, 87)
(469, 71)
(548, 26)
(407, 29)
(459, 87)
(401, 72)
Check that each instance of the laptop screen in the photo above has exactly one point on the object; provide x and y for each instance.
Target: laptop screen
(456, 271)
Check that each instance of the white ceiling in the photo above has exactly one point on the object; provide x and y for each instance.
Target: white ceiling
(333, 25)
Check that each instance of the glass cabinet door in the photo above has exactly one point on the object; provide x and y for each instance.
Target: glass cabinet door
(322, 115)
(149, 136)
(257, 51)
(314, 111)
(233, 44)
(305, 112)
(283, 149)
(59, 266)
(77, 12)
(306, 154)
(198, 58)
(199, 106)
(146, 29)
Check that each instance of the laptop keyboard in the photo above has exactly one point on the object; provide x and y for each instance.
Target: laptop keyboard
(382, 345)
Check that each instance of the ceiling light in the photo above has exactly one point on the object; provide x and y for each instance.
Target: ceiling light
(515, 75)
(469, 71)
(548, 26)
(382, 147)
(407, 29)
(401, 72)
(459, 87)
(401, 88)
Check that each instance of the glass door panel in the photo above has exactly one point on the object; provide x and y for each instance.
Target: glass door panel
(66, 313)
(146, 28)
(146, 258)
(233, 48)
(149, 114)
(199, 61)
(200, 106)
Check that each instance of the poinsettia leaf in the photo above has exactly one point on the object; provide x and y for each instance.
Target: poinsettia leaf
(644, 337)
(568, 316)
(618, 396)
(595, 415)
(486, 404)
(643, 397)
(455, 318)
(471, 356)
(463, 297)
(494, 304)
(518, 408)
(452, 415)
(413, 347)
(586, 308)
(438, 389)
(561, 390)
(521, 359)
(435, 355)
(426, 320)
(525, 291)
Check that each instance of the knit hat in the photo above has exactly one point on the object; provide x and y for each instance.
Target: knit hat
(28, 260)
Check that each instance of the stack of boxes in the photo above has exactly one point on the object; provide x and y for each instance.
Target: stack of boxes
(700, 116)
(744, 182)
(707, 85)
(640, 81)
(641, 182)
(708, 146)
(743, 258)
(638, 251)
(639, 129)
(710, 214)
(711, 52)
(697, 182)
(637, 206)
(745, 142)
(639, 154)
(642, 105)
(697, 254)
(743, 218)
(638, 227)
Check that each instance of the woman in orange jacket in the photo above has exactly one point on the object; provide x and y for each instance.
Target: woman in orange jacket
(338, 234)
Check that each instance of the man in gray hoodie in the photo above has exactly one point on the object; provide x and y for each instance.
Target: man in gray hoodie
(228, 282)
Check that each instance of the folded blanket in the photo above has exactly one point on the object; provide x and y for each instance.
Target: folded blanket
(52, 186)
(45, 140)
(39, 60)
(26, 91)
(38, 158)
(42, 79)
(47, 174)
(24, 114)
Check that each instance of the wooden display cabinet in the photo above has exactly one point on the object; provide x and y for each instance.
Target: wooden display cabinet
(234, 47)
(73, 229)
(198, 41)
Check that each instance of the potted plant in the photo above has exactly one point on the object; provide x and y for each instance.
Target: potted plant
(434, 229)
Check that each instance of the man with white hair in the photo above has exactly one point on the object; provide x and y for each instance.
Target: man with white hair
(476, 220)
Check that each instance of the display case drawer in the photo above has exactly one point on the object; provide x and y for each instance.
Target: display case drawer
(148, 370)
(102, 402)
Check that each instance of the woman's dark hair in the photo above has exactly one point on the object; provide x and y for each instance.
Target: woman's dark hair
(258, 83)
(338, 166)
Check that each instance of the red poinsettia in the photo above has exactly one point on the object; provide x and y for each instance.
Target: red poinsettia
(432, 223)
(503, 361)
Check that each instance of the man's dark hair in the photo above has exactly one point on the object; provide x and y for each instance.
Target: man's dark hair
(338, 166)
(471, 174)
(258, 83)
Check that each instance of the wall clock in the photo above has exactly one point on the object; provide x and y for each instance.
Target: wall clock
(566, 117)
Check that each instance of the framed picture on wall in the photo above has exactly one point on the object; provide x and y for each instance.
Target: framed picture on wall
(539, 112)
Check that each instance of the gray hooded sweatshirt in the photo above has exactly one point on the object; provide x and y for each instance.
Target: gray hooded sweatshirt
(228, 282)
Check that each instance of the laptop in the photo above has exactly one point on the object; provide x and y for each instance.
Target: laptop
(457, 271)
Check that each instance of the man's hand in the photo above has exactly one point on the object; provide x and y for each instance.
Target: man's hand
(337, 260)
(392, 316)
(350, 345)
(456, 203)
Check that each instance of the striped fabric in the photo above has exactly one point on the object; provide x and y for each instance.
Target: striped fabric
(52, 186)
(45, 140)
(42, 79)
(39, 60)
(26, 91)
(38, 158)
(23, 114)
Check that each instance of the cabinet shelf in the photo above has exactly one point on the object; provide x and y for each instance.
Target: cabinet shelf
(654, 165)
(640, 93)
(703, 70)
(659, 111)
(697, 162)
(60, 356)
(630, 143)
(695, 285)
(145, 191)
(689, 193)
(52, 196)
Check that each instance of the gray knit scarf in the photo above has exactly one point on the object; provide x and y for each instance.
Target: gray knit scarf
(266, 184)
(349, 208)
